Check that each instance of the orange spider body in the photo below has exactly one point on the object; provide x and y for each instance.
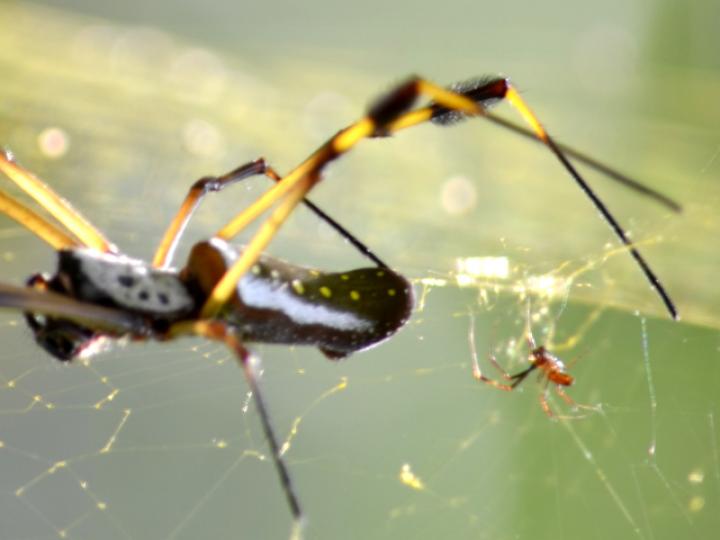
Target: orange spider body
(552, 368)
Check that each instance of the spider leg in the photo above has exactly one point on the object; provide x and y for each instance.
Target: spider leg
(56, 206)
(102, 319)
(505, 375)
(544, 403)
(292, 188)
(430, 113)
(219, 331)
(476, 371)
(332, 222)
(594, 164)
(574, 404)
(478, 376)
(528, 329)
(518, 378)
(560, 392)
(486, 93)
(35, 223)
(166, 249)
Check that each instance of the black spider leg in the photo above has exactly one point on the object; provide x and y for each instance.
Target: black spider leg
(593, 163)
(222, 332)
(518, 378)
(486, 93)
(202, 187)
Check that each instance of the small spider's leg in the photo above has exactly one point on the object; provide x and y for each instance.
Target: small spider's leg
(500, 386)
(573, 361)
(478, 376)
(528, 329)
(505, 375)
(57, 305)
(56, 206)
(518, 378)
(544, 403)
(166, 249)
(560, 392)
(219, 331)
(574, 404)
(292, 189)
(570, 401)
(487, 93)
(476, 371)
(35, 223)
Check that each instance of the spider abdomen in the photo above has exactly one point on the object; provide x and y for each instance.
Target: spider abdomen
(277, 302)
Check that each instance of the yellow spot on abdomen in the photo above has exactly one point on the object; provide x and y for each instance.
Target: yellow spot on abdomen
(325, 291)
(392, 292)
(354, 295)
(298, 286)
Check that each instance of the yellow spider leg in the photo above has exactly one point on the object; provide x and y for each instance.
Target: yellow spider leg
(35, 223)
(339, 144)
(56, 206)
(425, 114)
(228, 283)
(502, 89)
(516, 101)
(195, 196)
(165, 250)
(293, 188)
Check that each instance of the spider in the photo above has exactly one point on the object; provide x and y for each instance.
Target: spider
(241, 296)
(550, 368)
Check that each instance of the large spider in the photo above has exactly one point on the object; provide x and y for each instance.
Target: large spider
(240, 296)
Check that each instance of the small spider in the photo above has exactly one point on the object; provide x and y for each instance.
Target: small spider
(550, 369)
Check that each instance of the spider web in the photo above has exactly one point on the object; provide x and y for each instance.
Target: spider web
(162, 440)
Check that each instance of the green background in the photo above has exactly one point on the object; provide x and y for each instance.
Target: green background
(154, 96)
